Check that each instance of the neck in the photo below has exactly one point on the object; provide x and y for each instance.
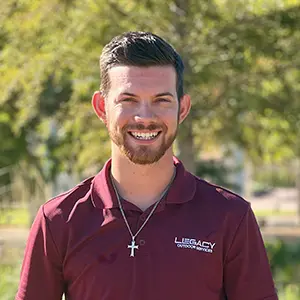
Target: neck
(142, 185)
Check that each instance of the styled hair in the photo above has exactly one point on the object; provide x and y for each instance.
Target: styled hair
(140, 49)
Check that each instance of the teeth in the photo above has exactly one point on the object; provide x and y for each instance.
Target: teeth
(144, 136)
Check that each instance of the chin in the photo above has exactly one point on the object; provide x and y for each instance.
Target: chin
(143, 158)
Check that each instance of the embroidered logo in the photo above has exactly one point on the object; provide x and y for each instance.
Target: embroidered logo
(194, 244)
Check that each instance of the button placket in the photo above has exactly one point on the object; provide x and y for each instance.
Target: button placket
(143, 218)
(142, 242)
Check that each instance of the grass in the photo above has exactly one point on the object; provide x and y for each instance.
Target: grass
(275, 213)
(9, 275)
(16, 217)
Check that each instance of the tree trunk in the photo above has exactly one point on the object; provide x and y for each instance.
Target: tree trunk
(298, 188)
(185, 137)
(185, 145)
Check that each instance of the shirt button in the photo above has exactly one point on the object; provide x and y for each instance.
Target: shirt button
(142, 242)
(143, 218)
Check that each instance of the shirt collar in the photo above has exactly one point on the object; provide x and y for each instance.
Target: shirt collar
(182, 189)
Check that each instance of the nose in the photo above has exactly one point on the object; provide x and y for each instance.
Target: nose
(145, 114)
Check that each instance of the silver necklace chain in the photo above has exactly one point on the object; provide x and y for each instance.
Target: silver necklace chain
(133, 236)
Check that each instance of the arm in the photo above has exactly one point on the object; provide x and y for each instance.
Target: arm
(247, 273)
(41, 273)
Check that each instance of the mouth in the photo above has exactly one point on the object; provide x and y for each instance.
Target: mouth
(145, 136)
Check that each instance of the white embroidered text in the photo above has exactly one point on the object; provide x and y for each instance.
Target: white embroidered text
(198, 245)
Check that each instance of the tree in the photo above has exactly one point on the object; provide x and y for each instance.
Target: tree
(241, 69)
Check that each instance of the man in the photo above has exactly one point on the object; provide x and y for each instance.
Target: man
(144, 227)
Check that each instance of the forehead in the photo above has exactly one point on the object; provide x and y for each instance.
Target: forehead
(142, 79)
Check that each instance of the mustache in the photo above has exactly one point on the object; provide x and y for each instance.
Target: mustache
(143, 127)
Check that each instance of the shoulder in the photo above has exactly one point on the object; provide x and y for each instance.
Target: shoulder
(220, 199)
(62, 205)
(50, 226)
(225, 210)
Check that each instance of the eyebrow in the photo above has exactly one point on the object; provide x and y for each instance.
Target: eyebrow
(157, 95)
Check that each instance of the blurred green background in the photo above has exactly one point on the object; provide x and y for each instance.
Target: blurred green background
(242, 70)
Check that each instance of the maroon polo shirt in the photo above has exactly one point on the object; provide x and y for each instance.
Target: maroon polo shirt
(202, 242)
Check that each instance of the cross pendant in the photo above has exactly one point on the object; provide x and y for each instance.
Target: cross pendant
(132, 247)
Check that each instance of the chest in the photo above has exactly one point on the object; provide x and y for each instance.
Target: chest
(174, 256)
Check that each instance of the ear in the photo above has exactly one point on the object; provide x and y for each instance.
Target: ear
(98, 103)
(184, 107)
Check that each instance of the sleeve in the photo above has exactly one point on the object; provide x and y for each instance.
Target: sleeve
(41, 272)
(247, 273)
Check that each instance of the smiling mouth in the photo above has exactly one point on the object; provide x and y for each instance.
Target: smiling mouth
(145, 136)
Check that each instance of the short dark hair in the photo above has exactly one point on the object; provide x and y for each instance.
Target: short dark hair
(141, 49)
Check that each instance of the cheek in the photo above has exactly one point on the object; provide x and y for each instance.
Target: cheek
(118, 118)
(169, 117)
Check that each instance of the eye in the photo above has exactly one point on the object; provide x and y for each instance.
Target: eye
(166, 100)
(129, 99)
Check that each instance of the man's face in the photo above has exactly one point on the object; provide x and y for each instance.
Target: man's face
(142, 111)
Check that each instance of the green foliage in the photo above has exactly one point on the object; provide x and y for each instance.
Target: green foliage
(275, 176)
(285, 264)
(217, 173)
(242, 70)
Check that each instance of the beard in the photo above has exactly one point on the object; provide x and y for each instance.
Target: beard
(142, 154)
